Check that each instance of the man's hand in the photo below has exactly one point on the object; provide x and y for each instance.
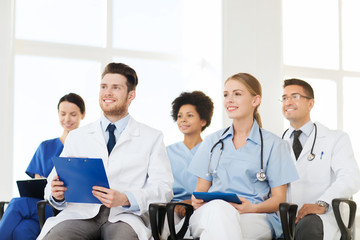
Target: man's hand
(307, 209)
(109, 197)
(57, 189)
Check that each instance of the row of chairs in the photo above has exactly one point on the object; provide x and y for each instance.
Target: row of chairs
(158, 211)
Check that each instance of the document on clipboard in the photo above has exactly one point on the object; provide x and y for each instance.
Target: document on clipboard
(79, 176)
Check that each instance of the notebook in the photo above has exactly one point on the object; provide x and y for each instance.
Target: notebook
(32, 187)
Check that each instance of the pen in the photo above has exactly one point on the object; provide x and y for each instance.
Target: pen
(322, 153)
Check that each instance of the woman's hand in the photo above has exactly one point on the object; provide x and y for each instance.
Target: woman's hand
(109, 197)
(57, 189)
(196, 203)
(245, 206)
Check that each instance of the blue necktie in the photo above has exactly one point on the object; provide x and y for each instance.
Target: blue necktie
(111, 143)
(296, 144)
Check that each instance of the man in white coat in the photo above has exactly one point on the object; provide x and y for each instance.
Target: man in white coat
(325, 163)
(135, 161)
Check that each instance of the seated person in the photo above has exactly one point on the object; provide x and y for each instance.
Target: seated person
(192, 111)
(20, 220)
(246, 160)
(325, 162)
(135, 161)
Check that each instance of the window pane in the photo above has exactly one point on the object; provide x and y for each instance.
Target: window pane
(160, 83)
(325, 108)
(310, 33)
(147, 25)
(39, 84)
(63, 21)
(351, 88)
(351, 34)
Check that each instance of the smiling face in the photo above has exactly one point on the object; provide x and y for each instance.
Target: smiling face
(69, 115)
(188, 120)
(114, 97)
(239, 103)
(297, 111)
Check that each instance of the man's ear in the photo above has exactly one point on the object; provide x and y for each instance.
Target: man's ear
(131, 95)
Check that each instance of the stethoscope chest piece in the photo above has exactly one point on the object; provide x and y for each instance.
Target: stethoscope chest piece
(311, 157)
(261, 176)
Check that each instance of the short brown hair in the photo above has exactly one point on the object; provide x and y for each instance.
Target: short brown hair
(126, 71)
(307, 87)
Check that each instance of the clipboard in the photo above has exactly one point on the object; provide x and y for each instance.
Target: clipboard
(208, 196)
(79, 176)
(33, 188)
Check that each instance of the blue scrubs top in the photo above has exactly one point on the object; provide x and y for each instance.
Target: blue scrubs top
(41, 163)
(236, 172)
(184, 181)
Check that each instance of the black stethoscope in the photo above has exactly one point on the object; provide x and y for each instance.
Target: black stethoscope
(261, 176)
(312, 154)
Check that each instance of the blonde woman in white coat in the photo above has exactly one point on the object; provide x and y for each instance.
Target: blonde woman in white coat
(326, 165)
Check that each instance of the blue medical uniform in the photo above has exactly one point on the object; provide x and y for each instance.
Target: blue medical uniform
(236, 172)
(184, 181)
(20, 220)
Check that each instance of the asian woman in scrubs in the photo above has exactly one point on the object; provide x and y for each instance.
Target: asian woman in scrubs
(236, 169)
(20, 220)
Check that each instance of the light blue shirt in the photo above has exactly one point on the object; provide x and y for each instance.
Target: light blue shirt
(306, 129)
(184, 181)
(236, 172)
(120, 126)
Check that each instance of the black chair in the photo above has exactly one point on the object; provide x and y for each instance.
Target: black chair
(288, 217)
(287, 214)
(157, 213)
(41, 211)
(2, 208)
(157, 216)
(347, 232)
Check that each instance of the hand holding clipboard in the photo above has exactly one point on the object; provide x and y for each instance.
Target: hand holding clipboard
(79, 176)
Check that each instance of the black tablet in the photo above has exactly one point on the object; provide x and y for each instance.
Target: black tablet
(208, 196)
(32, 187)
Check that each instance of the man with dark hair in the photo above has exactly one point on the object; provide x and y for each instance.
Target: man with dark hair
(325, 163)
(135, 161)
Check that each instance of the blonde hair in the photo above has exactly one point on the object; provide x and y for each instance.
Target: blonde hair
(253, 86)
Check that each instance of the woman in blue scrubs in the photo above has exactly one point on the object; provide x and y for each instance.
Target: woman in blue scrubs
(236, 169)
(192, 111)
(20, 220)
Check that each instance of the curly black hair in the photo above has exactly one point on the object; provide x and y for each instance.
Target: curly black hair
(203, 105)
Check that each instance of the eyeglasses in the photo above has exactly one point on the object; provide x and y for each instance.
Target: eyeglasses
(293, 97)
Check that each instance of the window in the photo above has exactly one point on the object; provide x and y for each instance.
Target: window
(63, 46)
(321, 46)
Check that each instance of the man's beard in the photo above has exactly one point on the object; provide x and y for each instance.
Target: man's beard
(116, 111)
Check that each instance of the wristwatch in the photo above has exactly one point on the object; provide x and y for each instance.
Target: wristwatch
(323, 204)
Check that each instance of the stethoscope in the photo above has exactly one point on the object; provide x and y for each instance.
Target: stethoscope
(312, 154)
(261, 176)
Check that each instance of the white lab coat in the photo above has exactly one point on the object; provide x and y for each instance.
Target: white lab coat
(138, 164)
(333, 173)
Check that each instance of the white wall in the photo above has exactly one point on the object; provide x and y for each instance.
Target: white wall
(252, 43)
(6, 97)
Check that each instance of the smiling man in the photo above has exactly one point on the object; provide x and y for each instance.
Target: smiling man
(325, 163)
(135, 161)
